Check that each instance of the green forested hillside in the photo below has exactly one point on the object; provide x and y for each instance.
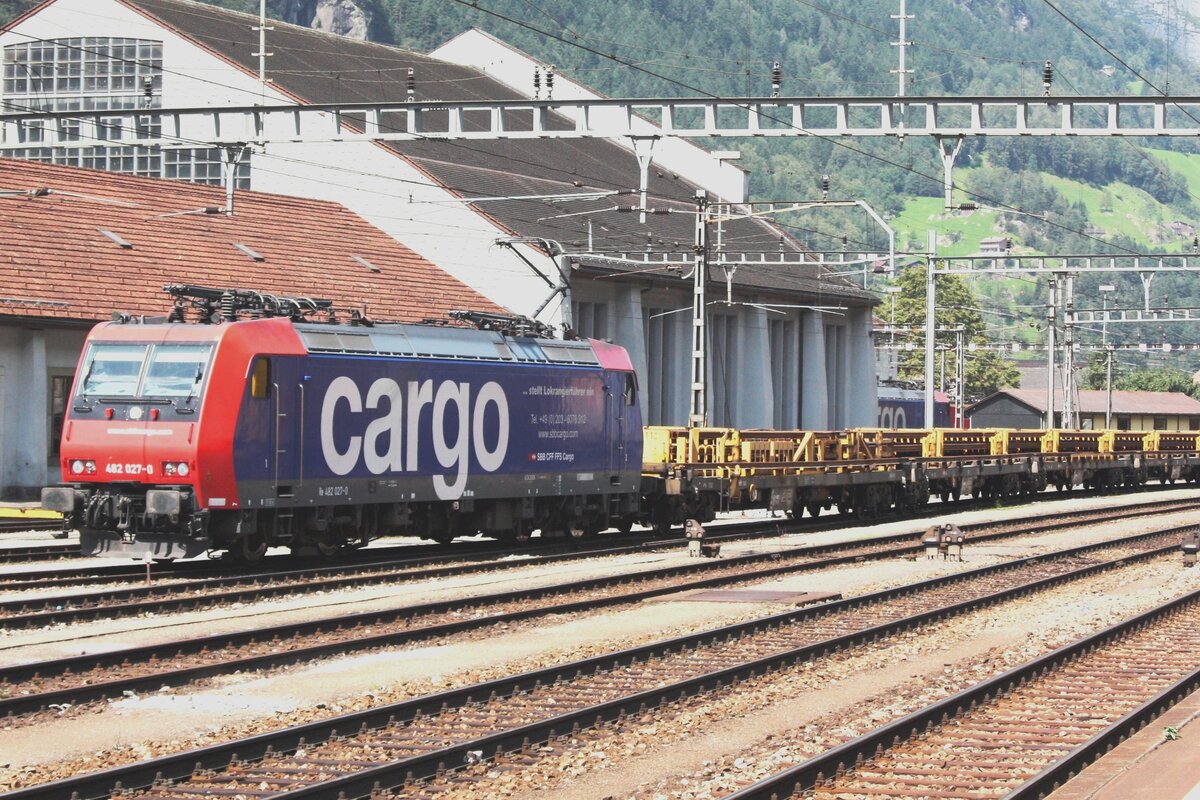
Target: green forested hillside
(1078, 195)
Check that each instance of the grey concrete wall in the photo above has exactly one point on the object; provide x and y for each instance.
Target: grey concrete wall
(29, 357)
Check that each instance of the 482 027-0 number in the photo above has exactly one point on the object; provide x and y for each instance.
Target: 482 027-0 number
(129, 469)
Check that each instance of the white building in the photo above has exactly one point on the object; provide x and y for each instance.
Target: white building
(782, 367)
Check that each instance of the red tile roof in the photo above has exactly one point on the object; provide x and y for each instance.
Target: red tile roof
(57, 263)
(1094, 401)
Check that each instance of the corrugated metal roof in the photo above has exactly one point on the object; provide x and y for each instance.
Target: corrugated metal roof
(59, 263)
(318, 67)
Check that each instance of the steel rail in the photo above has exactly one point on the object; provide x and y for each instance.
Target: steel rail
(837, 760)
(215, 757)
(163, 598)
(92, 605)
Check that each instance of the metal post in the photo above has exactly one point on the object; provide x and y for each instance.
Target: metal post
(1069, 353)
(1050, 312)
(262, 49)
(948, 156)
(563, 262)
(1108, 387)
(699, 410)
(902, 44)
(960, 377)
(930, 296)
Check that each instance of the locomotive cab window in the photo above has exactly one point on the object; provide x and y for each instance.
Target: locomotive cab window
(145, 371)
(113, 370)
(176, 370)
(630, 392)
(260, 379)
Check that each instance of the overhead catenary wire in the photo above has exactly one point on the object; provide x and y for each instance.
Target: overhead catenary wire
(831, 140)
(884, 160)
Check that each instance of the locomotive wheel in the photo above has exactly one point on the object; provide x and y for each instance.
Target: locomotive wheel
(329, 549)
(249, 549)
(624, 525)
(814, 510)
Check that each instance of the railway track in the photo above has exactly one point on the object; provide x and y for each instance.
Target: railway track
(24, 524)
(169, 597)
(826, 521)
(1021, 734)
(402, 744)
(76, 680)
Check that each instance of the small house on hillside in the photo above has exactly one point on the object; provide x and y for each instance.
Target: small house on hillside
(1131, 411)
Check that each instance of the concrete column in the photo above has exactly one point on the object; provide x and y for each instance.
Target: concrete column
(814, 386)
(835, 370)
(629, 332)
(679, 371)
(753, 374)
(862, 395)
(26, 467)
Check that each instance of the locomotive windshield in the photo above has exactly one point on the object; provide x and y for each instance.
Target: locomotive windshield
(145, 371)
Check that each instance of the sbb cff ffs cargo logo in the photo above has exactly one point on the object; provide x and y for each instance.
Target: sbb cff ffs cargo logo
(391, 439)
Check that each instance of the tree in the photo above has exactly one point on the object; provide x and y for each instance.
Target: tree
(956, 304)
(1095, 376)
(1156, 380)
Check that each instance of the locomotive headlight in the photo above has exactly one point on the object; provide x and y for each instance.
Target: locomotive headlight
(89, 466)
(77, 467)
(176, 468)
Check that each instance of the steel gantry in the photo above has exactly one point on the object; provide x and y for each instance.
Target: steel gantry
(643, 122)
(610, 118)
(1062, 271)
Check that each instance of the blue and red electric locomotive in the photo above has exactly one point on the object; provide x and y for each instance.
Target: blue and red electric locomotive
(181, 438)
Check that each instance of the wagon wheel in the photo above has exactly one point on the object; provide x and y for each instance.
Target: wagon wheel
(624, 524)
(814, 510)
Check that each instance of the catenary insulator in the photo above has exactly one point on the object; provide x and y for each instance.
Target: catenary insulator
(776, 79)
(1047, 78)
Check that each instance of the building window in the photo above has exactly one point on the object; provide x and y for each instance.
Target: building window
(1123, 423)
(1194, 423)
(1160, 423)
(60, 396)
(204, 165)
(102, 73)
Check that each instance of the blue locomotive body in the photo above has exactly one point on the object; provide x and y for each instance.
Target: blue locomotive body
(319, 437)
(902, 407)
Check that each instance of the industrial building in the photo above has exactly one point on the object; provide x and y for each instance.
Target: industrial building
(506, 217)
